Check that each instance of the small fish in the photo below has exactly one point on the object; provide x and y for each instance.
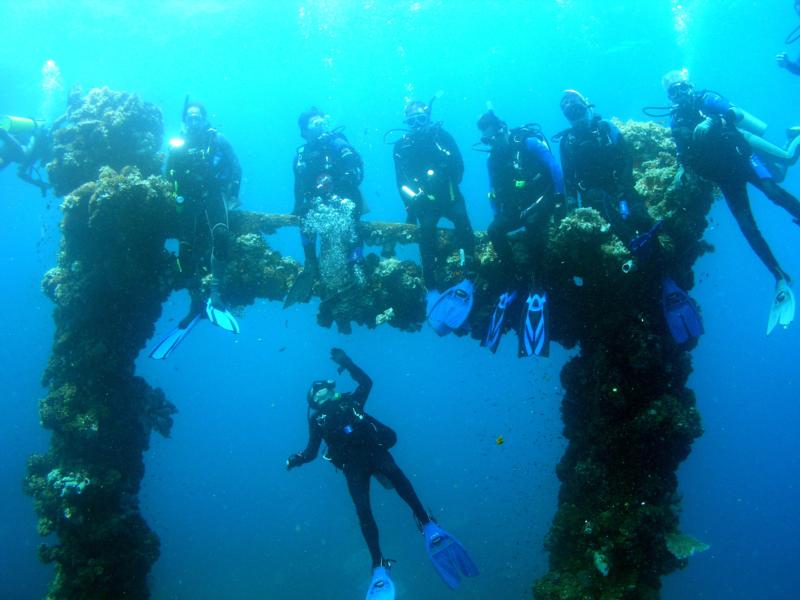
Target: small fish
(282, 348)
(499, 441)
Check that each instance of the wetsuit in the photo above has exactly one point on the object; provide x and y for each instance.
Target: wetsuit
(11, 150)
(358, 444)
(37, 150)
(429, 169)
(525, 181)
(206, 174)
(792, 66)
(707, 141)
(325, 168)
(598, 170)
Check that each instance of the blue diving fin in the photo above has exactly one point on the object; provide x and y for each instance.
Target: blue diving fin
(534, 332)
(220, 317)
(165, 347)
(642, 245)
(680, 311)
(495, 330)
(448, 556)
(450, 310)
(381, 586)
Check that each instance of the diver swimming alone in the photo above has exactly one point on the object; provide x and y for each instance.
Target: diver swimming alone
(358, 445)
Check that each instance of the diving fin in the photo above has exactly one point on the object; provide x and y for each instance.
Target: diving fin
(165, 347)
(450, 310)
(220, 317)
(782, 311)
(448, 556)
(680, 311)
(641, 245)
(301, 289)
(492, 338)
(534, 333)
(381, 586)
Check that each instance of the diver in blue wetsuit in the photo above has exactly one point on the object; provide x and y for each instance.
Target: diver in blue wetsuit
(707, 132)
(358, 445)
(527, 191)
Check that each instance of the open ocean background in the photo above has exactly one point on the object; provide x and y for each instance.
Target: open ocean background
(232, 522)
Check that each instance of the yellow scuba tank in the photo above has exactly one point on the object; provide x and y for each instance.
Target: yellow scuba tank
(17, 124)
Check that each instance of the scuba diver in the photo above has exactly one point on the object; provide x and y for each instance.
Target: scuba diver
(784, 62)
(598, 173)
(28, 143)
(206, 175)
(327, 173)
(707, 130)
(598, 168)
(358, 445)
(527, 190)
(429, 169)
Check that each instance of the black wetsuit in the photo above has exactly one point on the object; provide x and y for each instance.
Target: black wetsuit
(358, 444)
(429, 164)
(598, 169)
(708, 142)
(206, 174)
(792, 66)
(36, 151)
(323, 168)
(525, 181)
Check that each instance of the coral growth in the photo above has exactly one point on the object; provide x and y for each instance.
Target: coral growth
(107, 128)
(107, 297)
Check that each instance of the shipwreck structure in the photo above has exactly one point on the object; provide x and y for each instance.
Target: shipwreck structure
(628, 416)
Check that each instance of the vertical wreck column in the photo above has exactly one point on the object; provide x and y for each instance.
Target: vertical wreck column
(108, 289)
(112, 276)
(628, 416)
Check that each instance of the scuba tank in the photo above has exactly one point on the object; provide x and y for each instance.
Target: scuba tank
(17, 125)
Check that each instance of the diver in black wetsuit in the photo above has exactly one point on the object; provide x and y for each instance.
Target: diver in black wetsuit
(598, 168)
(206, 175)
(429, 169)
(708, 141)
(327, 174)
(358, 444)
(527, 187)
(705, 127)
(35, 150)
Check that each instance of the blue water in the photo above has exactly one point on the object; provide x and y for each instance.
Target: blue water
(232, 522)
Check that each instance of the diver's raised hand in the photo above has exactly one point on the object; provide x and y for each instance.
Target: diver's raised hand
(339, 357)
(295, 460)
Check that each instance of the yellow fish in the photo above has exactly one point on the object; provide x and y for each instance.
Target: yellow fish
(499, 441)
